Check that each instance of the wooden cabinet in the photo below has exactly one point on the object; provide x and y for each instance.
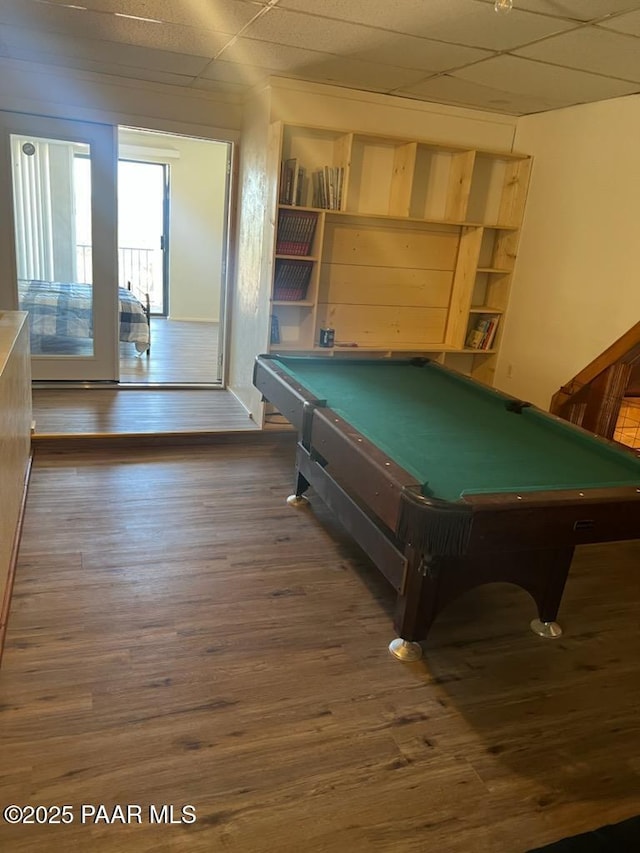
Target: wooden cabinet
(412, 250)
(15, 446)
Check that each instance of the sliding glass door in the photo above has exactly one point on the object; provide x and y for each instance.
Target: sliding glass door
(58, 244)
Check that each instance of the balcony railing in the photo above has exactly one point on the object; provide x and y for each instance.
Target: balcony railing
(141, 269)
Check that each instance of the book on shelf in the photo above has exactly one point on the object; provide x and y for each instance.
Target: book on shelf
(481, 334)
(291, 280)
(296, 229)
(292, 182)
(327, 186)
(275, 329)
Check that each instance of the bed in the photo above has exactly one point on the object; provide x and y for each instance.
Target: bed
(61, 315)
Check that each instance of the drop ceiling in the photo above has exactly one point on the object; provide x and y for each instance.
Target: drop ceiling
(543, 55)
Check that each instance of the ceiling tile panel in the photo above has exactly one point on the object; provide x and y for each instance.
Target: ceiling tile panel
(238, 73)
(309, 31)
(318, 66)
(464, 22)
(225, 15)
(275, 57)
(423, 54)
(59, 50)
(356, 74)
(527, 77)
(235, 90)
(629, 24)
(143, 74)
(591, 49)
(94, 25)
(453, 90)
(578, 10)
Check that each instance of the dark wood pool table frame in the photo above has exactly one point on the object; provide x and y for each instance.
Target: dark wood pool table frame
(525, 539)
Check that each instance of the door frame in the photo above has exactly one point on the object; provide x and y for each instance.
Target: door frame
(103, 365)
(227, 240)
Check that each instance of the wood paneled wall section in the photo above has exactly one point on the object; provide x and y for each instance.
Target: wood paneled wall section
(15, 442)
(385, 284)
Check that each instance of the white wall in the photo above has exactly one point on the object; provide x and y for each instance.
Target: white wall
(197, 235)
(576, 285)
(198, 178)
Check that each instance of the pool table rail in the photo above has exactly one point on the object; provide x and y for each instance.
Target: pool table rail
(280, 389)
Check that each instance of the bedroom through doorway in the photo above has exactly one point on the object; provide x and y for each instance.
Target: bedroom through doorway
(118, 250)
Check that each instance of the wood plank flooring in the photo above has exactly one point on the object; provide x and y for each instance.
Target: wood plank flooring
(180, 635)
(181, 352)
(101, 412)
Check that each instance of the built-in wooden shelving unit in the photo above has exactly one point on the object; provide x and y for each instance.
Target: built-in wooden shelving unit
(399, 245)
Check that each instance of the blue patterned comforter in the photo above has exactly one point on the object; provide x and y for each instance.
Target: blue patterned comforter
(65, 310)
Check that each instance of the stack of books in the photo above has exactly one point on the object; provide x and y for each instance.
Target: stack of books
(326, 183)
(291, 280)
(295, 232)
(482, 333)
(327, 187)
(293, 184)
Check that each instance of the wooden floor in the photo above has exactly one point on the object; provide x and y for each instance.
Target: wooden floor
(86, 413)
(185, 352)
(180, 635)
(181, 352)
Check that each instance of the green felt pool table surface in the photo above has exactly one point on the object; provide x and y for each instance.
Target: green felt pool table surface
(458, 437)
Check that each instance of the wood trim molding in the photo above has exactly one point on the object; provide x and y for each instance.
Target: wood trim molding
(4, 614)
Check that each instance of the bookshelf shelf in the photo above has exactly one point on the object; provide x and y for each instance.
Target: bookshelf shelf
(297, 257)
(409, 247)
(299, 303)
(485, 309)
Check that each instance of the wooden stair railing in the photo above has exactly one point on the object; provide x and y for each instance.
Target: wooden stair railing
(592, 399)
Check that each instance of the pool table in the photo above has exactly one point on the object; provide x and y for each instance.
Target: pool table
(447, 483)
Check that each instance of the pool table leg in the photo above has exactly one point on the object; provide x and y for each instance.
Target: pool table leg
(415, 609)
(541, 572)
(297, 499)
(405, 650)
(557, 563)
(551, 630)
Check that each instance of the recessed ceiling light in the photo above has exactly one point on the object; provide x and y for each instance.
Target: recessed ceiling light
(138, 18)
(62, 5)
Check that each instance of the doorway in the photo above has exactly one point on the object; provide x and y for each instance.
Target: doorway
(173, 213)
